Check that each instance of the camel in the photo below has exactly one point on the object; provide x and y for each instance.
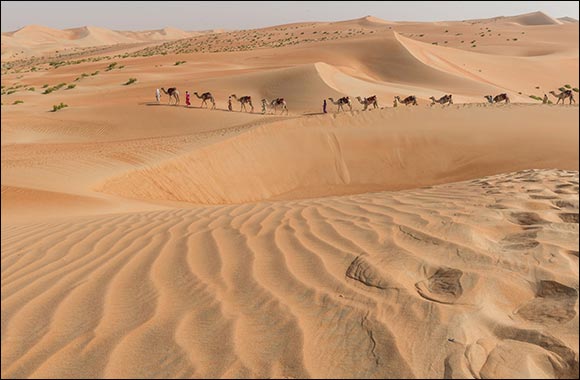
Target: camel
(563, 95)
(173, 93)
(205, 97)
(366, 102)
(341, 102)
(243, 101)
(498, 98)
(445, 99)
(275, 103)
(411, 99)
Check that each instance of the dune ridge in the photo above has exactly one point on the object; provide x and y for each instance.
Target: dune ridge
(353, 152)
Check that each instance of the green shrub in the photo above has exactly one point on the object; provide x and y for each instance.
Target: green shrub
(45, 86)
(95, 73)
(111, 66)
(562, 89)
(10, 92)
(575, 89)
(48, 90)
(31, 89)
(179, 63)
(536, 97)
(71, 86)
(567, 86)
(57, 107)
(130, 81)
(18, 102)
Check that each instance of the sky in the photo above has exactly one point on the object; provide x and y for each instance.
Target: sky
(204, 15)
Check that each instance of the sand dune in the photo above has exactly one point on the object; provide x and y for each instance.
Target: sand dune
(146, 240)
(345, 283)
(37, 39)
(387, 149)
(534, 18)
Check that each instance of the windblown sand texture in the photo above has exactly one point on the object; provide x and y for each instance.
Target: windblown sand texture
(143, 240)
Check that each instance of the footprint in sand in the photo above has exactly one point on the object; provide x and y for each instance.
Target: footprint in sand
(443, 286)
(569, 217)
(526, 218)
(521, 241)
(554, 303)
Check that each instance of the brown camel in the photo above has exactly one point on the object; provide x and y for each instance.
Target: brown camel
(411, 99)
(445, 99)
(498, 98)
(563, 95)
(341, 102)
(243, 101)
(366, 102)
(276, 103)
(204, 98)
(173, 93)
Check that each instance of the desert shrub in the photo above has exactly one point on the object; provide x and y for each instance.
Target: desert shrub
(111, 66)
(57, 107)
(130, 81)
(71, 86)
(536, 97)
(31, 89)
(567, 86)
(95, 73)
(10, 92)
(45, 86)
(18, 102)
(48, 90)
(562, 89)
(179, 63)
(575, 89)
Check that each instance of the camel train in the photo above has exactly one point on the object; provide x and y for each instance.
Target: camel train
(280, 103)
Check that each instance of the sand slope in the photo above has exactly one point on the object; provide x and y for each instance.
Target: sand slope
(331, 287)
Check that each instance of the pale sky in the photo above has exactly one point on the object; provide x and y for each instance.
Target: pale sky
(202, 15)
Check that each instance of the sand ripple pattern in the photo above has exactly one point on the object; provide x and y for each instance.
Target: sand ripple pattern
(474, 279)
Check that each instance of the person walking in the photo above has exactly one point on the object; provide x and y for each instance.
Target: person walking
(187, 102)
(230, 103)
(324, 106)
(264, 104)
(157, 95)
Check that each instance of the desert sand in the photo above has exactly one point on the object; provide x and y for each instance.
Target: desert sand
(147, 240)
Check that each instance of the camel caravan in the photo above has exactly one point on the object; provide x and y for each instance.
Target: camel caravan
(368, 103)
